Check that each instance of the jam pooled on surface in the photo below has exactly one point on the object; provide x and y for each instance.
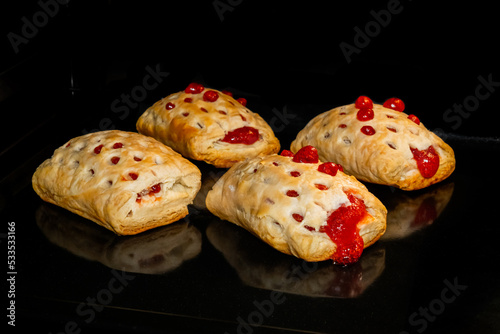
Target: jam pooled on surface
(245, 135)
(194, 88)
(414, 119)
(287, 153)
(210, 96)
(330, 168)
(342, 228)
(363, 102)
(395, 104)
(368, 130)
(427, 161)
(307, 154)
(365, 114)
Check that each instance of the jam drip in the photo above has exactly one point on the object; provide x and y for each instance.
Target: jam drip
(245, 135)
(427, 161)
(343, 230)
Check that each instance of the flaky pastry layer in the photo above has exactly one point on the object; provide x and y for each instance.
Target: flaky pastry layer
(384, 157)
(253, 195)
(195, 127)
(123, 181)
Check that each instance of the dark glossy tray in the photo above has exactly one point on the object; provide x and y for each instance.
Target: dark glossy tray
(434, 269)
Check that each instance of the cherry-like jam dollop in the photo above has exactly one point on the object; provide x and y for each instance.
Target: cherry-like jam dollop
(210, 96)
(242, 101)
(363, 102)
(98, 149)
(245, 135)
(194, 88)
(414, 119)
(365, 114)
(287, 153)
(368, 130)
(342, 228)
(427, 161)
(307, 154)
(330, 168)
(395, 104)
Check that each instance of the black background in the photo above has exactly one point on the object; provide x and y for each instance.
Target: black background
(285, 53)
(280, 55)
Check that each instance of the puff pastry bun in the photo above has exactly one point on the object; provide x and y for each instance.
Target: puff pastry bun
(294, 207)
(383, 146)
(124, 181)
(199, 123)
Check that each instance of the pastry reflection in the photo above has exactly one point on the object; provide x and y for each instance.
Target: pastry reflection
(410, 212)
(261, 266)
(153, 252)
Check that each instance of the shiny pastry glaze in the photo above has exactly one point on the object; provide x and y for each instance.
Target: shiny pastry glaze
(427, 161)
(343, 230)
(245, 135)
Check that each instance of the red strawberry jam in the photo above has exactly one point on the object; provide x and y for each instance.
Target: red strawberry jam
(155, 189)
(427, 161)
(210, 96)
(365, 114)
(330, 168)
(395, 104)
(368, 130)
(363, 102)
(242, 101)
(307, 154)
(98, 149)
(287, 153)
(245, 135)
(343, 230)
(414, 119)
(194, 88)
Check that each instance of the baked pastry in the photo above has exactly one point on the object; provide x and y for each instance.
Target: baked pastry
(124, 181)
(300, 206)
(379, 144)
(208, 125)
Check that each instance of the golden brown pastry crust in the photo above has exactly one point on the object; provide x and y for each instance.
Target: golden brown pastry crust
(195, 128)
(252, 194)
(383, 158)
(102, 183)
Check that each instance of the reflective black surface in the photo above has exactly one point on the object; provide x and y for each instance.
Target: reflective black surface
(435, 269)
